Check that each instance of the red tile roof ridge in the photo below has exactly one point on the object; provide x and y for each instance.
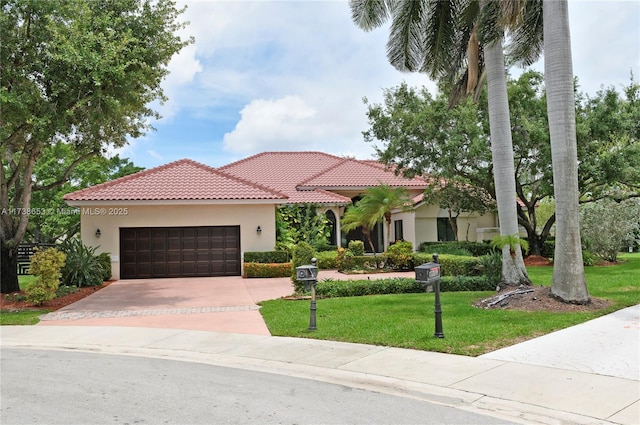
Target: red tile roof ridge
(261, 154)
(326, 170)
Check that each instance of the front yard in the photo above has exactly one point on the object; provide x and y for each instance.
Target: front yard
(407, 320)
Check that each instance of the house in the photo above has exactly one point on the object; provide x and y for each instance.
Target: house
(188, 219)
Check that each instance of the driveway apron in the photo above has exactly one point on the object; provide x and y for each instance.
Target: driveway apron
(222, 304)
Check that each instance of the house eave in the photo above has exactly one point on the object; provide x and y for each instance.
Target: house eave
(88, 203)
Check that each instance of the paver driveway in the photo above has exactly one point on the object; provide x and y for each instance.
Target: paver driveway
(223, 304)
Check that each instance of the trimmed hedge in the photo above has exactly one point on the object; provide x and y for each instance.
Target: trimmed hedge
(451, 265)
(466, 283)
(267, 269)
(475, 248)
(354, 288)
(267, 257)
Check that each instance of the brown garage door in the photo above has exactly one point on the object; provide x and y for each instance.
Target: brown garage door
(179, 251)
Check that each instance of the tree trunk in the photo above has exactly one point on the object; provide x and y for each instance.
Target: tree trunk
(513, 268)
(9, 270)
(569, 282)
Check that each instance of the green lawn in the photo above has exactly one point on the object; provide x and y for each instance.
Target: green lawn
(27, 317)
(408, 321)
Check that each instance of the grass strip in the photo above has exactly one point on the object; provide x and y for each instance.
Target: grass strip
(407, 320)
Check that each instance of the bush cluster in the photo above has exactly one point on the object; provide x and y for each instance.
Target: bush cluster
(357, 248)
(399, 256)
(267, 257)
(355, 288)
(475, 249)
(46, 266)
(83, 267)
(346, 260)
(327, 260)
(267, 269)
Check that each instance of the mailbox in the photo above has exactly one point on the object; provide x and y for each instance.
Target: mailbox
(428, 274)
(307, 274)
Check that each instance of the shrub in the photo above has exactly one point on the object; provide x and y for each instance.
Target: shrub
(267, 257)
(588, 259)
(548, 248)
(302, 255)
(512, 241)
(267, 269)
(344, 259)
(491, 266)
(606, 225)
(82, 267)
(356, 248)
(46, 266)
(356, 288)
(466, 283)
(452, 265)
(474, 249)
(399, 256)
(327, 260)
(105, 262)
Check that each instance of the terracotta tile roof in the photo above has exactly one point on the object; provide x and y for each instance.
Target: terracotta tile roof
(351, 173)
(283, 171)
(180, 180)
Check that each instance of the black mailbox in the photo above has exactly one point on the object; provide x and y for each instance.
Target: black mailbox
(428, 274)
(307, 274)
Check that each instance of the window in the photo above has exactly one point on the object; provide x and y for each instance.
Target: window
(445, 231)
(397, 227)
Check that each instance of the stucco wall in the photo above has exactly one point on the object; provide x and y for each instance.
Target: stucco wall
(109, 219)
(469, 225)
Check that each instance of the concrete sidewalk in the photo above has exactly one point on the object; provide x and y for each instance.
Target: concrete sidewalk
(585, 374)
(507, 390)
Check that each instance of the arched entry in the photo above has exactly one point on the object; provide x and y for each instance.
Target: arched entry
(333, 225)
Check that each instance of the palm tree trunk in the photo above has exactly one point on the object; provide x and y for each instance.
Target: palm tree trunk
(513, 268)
(569, 281)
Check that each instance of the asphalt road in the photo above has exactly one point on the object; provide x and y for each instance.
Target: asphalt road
(64, 387)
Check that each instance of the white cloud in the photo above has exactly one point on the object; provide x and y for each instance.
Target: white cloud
(291, 75)
(272, 125)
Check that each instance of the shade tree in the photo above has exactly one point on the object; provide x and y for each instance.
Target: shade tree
(81, 72)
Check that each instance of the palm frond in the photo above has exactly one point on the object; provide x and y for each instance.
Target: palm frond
(525, 40)
(404, 47)
(369, 14)
(440, 41)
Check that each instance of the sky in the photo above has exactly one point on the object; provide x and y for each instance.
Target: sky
(291, 76)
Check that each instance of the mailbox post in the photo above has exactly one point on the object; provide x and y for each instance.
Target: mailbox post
(428, 274)
(309, 275)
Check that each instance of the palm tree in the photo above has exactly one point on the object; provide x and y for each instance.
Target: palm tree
(569, 281)
(514, 271)
(379, 202)
(355, 217)
(439, 38)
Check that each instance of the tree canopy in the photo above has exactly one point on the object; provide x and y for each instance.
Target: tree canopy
(54, 219)
(79, 72)
(415, 131)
